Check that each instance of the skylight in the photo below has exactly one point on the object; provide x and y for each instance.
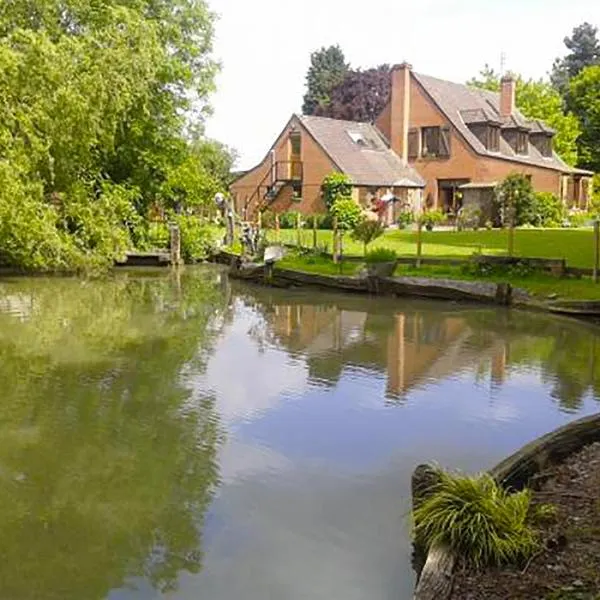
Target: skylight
(357, 138)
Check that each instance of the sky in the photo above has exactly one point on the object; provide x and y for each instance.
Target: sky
(264, 47)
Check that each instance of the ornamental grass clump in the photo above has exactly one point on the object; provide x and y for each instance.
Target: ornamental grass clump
(478, 520)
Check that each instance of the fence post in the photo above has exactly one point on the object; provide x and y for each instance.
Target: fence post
(298, 231)
(277, 229)
(314, 232)
(596, 249)
(335, 239)
(419, 242)
(175, 245)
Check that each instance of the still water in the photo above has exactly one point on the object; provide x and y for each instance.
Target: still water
(187, 437)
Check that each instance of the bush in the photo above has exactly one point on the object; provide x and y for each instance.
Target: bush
(347, 212)
(323, 221)
(405, 218)
(379, 255)
(334, 187)
(546, 210)
(579, 219)
(198, 239)
(469, 217)
(478, 520)
(367, 231)
(516, 200)
(288, 220)
(432, 218)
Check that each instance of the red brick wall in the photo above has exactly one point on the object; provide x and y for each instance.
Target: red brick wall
(463, 163)
(316, 166)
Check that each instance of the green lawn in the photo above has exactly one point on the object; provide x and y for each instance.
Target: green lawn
(576, 245)
(540, 285)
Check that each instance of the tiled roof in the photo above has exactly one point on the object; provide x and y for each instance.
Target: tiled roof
(360, 151)
(462, 104)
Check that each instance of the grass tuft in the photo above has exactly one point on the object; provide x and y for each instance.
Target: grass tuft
(477, 519)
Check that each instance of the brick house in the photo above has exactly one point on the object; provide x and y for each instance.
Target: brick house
(463, 141)
(436, 144)
(310, 148)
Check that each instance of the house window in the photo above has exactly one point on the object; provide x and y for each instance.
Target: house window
(546, 147)
(413, 143)
(435, 141)
(493, 139)
(522, 143)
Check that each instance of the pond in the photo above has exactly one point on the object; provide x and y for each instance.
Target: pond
(182, 436)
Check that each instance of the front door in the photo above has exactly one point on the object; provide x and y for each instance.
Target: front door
(449, 198)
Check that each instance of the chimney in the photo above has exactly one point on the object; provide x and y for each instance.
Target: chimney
(400, 109)
(507, 95)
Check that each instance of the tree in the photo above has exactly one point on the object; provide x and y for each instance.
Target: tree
(537, 99)
(361, 96)
(96, 104)
(327, 70)
(584, 49)
(584, 96)
(367, 231)
(334, 186)
(515, 197)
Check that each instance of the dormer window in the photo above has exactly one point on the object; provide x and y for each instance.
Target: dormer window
(493, 138)
(543, 143)
(522, 143)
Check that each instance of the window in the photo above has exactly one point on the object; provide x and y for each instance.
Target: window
(295, 146)
(357, 138)
(435, 141)
(413, 143)
(493, 139)
(522, 143)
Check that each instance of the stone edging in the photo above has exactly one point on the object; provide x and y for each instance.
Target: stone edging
(435, 580)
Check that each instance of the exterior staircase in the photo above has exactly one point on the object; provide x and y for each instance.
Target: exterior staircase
(279, 176)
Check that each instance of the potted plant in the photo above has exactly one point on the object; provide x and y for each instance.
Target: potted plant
(381, 262)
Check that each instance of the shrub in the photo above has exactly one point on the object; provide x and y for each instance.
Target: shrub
(469, 217)
(432, 218)
(347, 212)
(579, 219)
(334, 187)
(478, 520)
(516, 199)
(405, 218)
(198, 239)
(288, 220)
(323, 221)
(546, 210)
(379, 255)
(367, 231)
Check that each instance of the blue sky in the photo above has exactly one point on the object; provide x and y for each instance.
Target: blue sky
(265, 46)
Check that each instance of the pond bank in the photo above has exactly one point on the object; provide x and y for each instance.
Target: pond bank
(539, 461)
(457, 290)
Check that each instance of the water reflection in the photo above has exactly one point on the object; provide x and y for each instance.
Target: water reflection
(426, 342)
(107, 469)
(183, 437)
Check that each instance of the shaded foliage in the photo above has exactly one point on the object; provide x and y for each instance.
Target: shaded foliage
(361, 96)
(327, 70)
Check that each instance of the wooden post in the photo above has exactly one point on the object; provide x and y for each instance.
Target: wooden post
(314, 232)
(335, 240)
(277, 229)
(419, 242)
(175, 245)
(298, 233)
(259, 219)
(596, 249)
(511, 240)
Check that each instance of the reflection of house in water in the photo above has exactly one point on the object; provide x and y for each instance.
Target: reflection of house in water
(413, 347)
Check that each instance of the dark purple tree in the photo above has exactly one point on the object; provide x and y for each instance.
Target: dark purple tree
(361, 96)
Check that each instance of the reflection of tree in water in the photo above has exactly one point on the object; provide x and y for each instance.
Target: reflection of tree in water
(567, 352)
(107, 467)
